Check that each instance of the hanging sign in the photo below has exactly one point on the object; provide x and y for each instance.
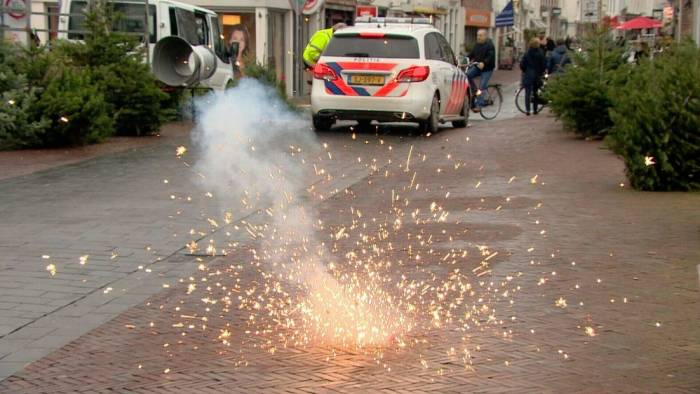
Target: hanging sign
(367, 10)
(312, 6)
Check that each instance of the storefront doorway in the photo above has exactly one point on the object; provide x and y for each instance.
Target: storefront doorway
(276, 28)
(244, 24)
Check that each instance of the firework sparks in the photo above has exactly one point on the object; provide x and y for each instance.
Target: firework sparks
(366, 280)
(180, 151)
(560, 302)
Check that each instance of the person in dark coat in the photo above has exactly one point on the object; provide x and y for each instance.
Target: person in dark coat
(484, 54)
(550, 44)
(559, 58)
(533, 66)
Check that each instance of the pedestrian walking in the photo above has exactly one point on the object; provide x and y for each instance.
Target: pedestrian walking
(484, 55)
(533, 67)
(559, 58)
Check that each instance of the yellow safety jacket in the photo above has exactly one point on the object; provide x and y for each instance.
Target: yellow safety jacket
(317, 44)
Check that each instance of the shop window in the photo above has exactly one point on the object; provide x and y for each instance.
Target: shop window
(240, 27)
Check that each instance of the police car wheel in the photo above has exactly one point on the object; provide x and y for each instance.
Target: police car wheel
(432, 124)
(322, 123)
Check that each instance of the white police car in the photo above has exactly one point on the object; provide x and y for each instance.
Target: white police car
(389, 70)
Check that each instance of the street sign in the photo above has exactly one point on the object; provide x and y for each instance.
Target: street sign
(589, 11)
(312, 6)
(367, 10)
(16, 8)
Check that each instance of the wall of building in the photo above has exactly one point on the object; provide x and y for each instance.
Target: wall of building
(570, 16)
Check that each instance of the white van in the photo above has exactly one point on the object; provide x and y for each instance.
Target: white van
(196, 25)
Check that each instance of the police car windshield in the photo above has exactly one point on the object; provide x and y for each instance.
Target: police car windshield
(379, 46)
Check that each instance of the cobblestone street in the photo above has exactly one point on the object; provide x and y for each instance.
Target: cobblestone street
(589, 285)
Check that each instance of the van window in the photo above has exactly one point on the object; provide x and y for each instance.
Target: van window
(389, 46)
(173, 21)
(219, 48)
(192, 26)
(130, 19)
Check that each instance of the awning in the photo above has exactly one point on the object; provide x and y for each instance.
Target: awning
(506, 17)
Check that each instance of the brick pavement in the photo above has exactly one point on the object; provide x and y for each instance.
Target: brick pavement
(29, 161)
(620, 262)
(118, 210)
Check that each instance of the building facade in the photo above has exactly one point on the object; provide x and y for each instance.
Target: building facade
(478, 14)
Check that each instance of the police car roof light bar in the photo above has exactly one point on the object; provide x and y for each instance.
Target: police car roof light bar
(393, 20)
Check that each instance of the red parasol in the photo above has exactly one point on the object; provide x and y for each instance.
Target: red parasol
(641, 22)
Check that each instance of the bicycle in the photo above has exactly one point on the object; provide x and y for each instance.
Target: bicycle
(493, 100)
(520, 97)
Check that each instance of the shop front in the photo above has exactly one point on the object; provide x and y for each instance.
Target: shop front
(263, 29)
(475, 19)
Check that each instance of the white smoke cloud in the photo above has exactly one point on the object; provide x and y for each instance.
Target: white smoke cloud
(254, 153)
(250, 144)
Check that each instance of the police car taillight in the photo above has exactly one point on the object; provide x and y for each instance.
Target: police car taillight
(323, 71)
(414, 74)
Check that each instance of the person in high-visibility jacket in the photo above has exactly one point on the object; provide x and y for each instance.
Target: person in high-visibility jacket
(318, 43)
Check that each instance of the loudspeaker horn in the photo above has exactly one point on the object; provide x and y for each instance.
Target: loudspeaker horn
(177, 63)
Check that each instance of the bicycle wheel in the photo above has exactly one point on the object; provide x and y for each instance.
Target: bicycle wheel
(541, 102)
(494, 101)
(520, 99)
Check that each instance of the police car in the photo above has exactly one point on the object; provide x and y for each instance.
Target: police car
(389, 70)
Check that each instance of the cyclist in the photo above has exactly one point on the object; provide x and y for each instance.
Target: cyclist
(533, 66)
(484, 55)
(559, 58)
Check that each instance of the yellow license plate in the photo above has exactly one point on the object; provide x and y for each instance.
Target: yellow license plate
(367, 80)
